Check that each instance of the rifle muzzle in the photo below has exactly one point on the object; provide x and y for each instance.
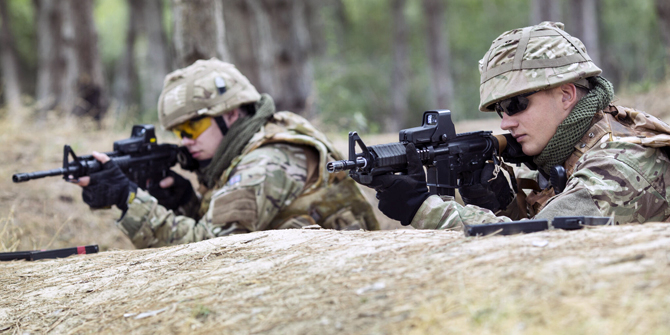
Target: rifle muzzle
(344, 165)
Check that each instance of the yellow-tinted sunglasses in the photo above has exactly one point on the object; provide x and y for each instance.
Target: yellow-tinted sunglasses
(192, 128)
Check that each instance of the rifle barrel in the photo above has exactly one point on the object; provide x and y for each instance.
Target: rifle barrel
(343, 165)
(21, 177)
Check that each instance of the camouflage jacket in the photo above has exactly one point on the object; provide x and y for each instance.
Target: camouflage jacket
(279, 181)
(617, 169)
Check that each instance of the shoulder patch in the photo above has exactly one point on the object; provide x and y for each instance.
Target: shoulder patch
(234, 180)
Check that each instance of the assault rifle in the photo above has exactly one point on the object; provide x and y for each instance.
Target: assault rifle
(140, 158)
(452, 160)
(34, 255)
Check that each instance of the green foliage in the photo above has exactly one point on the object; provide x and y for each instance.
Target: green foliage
(22, 24)
(111, 20)
(353, 78)
(201, 312)
(472, 25)
(632, 49)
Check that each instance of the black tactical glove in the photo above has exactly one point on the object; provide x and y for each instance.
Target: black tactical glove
(108, 187)
(494, 194)
(174, 196)
(400, 196)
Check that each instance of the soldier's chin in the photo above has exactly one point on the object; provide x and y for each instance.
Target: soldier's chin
(530, 149)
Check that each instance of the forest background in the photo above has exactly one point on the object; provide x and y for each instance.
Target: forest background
(371, 65)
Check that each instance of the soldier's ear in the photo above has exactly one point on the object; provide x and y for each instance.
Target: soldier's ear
(569, 96)
(232, 116)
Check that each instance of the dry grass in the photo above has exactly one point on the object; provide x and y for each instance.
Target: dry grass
(10, 234)
(49, 213)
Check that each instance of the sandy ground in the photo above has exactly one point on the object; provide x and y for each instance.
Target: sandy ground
(607, 280)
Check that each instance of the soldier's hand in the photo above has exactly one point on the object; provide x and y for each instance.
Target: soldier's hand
(492, 192)
(84, 181)
(173, 191)
(107, 187)
(400, 196)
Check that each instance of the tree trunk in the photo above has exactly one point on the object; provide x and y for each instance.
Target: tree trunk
(591, 36)
(51, 60)
(68, 97)
(156, 56)
(263, 48)
(292, 59)
(442, 95)
(124, 86)
(199, 31)
(10, 78)
(85, 73)
(70, 76)
(663, 12)
(272, 45)
(576, 24)
(243, 40)
(583, 24)
(545, 10)
(399, 88)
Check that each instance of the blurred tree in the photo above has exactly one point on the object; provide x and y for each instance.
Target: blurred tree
(70, 76)
(442, 88)
(663, 13)
(276, 44)
(585, 26)
(272, 45)
(51, 59)
(199, 31)
(635, 55)
(10, 78)
(84, 70)
(545, 10)
(156, 56)
(400, 74)
(145, 61)
(125, 81)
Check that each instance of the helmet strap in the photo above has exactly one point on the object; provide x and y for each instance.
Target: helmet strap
(222, 124)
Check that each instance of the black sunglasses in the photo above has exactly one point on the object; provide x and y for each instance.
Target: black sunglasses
(513, 105)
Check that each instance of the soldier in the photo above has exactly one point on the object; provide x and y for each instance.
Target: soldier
(258, 169)
(549, 94)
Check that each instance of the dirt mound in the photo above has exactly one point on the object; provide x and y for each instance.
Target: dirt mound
(611, 280)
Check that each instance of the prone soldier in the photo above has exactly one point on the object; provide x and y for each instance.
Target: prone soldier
(258, 169)
(549, 94)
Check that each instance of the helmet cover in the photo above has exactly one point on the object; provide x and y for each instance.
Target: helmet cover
(207, 87)
(531, 59)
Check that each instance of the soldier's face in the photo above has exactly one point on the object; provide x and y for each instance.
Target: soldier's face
(537, 124)
(204, 146)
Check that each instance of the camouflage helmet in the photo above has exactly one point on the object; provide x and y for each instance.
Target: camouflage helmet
(207, 87)
(531, 59)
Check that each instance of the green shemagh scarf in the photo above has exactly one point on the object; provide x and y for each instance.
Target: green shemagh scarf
(235, 140)
(571, 130)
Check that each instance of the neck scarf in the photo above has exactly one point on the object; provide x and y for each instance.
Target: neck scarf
(235, 140)
(571, 130)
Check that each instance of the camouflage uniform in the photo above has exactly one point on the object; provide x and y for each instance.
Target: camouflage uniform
(278, 181)
(617, 167)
